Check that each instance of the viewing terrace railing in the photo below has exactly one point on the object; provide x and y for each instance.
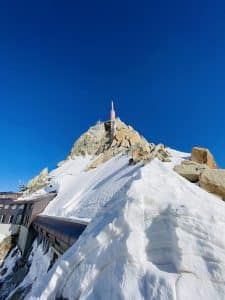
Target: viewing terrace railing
(57, 233)
(10, 195)
(60, 233)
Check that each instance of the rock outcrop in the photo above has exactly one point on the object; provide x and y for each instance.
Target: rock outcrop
(213, 181)
(6, 246)
(203, 156)
(92, 142)
(190, 170)
(125, 141)
(202, 168)
(38, 182)
(99, 143)
(147, 155)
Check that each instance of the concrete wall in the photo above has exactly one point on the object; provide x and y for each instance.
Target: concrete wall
(25, 238)
(23, 234)
(12, 229)
(9, 229)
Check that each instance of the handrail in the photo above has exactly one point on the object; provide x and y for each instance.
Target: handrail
(61, 233)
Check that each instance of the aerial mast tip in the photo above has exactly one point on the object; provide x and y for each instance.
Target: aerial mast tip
(112, 112)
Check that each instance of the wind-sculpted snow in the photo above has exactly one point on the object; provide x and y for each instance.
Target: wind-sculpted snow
(158, 237)
(82, 193)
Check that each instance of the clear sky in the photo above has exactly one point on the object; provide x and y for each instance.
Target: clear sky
(61, 62)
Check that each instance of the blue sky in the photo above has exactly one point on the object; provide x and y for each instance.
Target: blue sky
(61, 62)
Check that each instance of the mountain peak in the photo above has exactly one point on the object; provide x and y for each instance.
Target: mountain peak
(108, 139)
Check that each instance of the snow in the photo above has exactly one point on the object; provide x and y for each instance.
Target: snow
(82, 193)
(9, 262)
(2, 237)
(40, 262)
(39, 266)
(152, 235)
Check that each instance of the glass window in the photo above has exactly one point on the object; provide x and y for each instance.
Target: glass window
(2, 218)
(26, 220)
(10, 219)
(6, 206)
(18, 219)
(14, 206)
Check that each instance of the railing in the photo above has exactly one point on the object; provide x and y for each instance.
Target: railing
(10, 195)
(57, 232)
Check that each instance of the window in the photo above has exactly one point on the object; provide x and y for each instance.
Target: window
(26, 220)
(18, 219)
(2, 218)
(57, 242)
(10, 219)
(14, 206)
(1, 205)
(6, 206)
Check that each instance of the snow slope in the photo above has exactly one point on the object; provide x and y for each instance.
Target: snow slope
(82, 193)
(156, 236)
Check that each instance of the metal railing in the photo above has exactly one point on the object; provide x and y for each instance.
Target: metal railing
(60, 233)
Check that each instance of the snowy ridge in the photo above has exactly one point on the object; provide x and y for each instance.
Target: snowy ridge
(82, 193)
(158, 237)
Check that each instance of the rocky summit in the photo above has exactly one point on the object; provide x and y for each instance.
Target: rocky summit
(102, 142)
(98, 141)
